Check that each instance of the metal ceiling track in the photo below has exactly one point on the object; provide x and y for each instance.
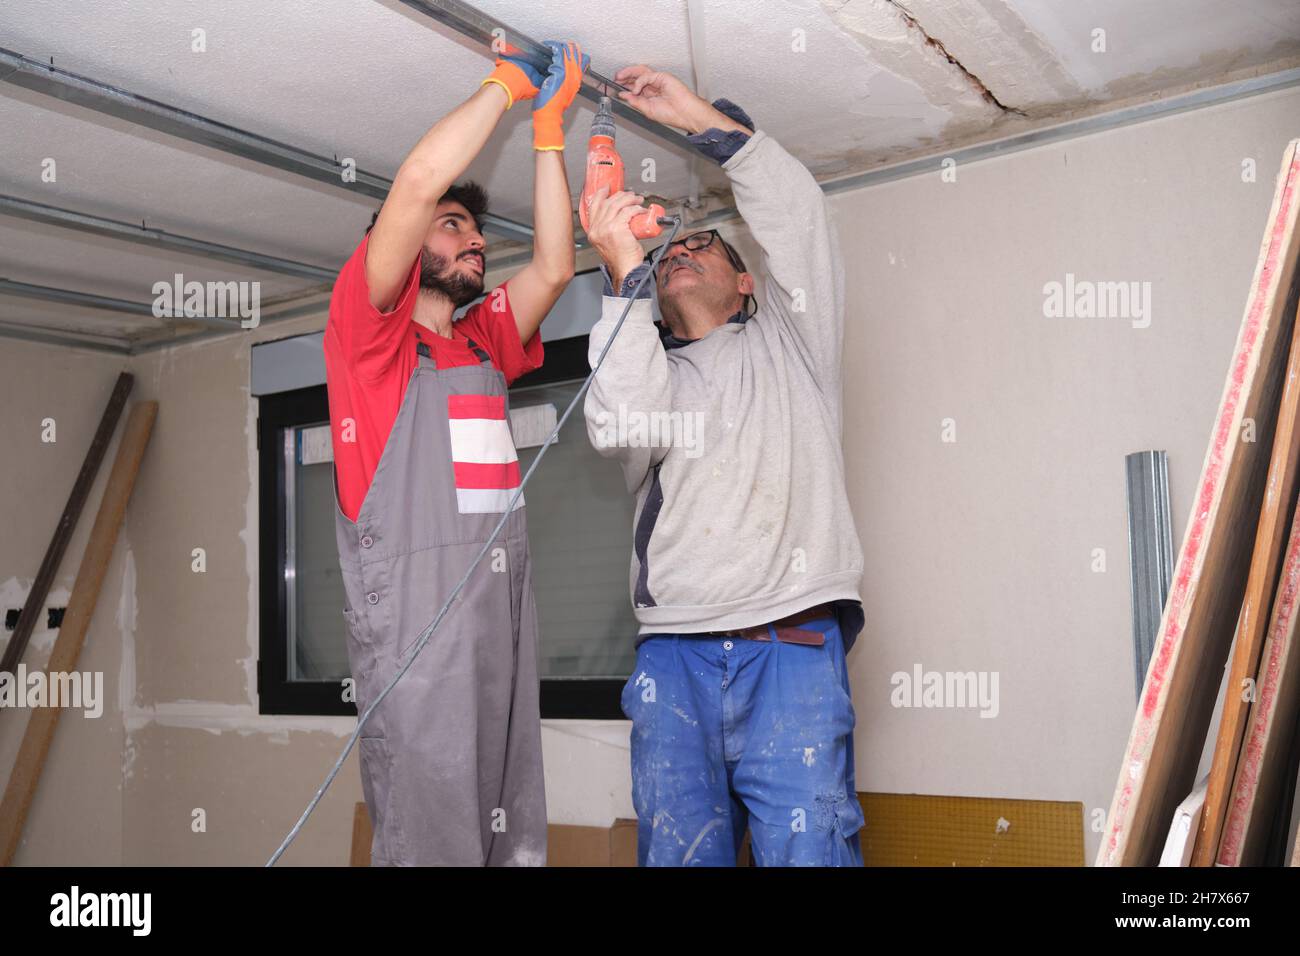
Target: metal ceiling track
(81, 339)
(158, 238)
(478, 26)
(315, 305)
(45, 335)
(49, 80)
(1152, 109)
(282, 308)
(109, 100)
(464, 19)
(88, 300)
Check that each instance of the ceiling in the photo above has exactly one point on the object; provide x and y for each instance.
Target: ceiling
(847, 85)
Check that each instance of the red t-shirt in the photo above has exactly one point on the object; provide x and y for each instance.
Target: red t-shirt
(369, 356)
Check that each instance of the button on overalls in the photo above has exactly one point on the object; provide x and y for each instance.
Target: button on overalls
(451, 761)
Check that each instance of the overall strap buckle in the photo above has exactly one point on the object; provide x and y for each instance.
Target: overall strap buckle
(477, 350)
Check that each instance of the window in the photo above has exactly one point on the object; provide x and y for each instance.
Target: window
(303, 655)
(580, 537)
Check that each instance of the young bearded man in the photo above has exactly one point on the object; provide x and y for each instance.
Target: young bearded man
(425, 466)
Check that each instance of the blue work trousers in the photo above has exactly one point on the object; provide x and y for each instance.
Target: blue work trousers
(728, 732)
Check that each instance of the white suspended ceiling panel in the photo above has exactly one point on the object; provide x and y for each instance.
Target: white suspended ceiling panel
(845, 84)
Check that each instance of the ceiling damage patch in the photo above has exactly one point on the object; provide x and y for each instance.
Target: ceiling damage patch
(895, 41)
(938, 46)
(991, 42)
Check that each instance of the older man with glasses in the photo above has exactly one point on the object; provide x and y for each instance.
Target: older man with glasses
(746, 566)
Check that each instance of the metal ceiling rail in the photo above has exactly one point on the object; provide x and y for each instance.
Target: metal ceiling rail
(1151, 109)
(157, 238)
(88, 300)
(141, 345)
(478, 26)
(49, 80)
(71, 338)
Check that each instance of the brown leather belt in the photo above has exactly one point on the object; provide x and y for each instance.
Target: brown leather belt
(787, 629)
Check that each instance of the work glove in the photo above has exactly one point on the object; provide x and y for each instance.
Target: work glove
(563, 79)
(519, 78)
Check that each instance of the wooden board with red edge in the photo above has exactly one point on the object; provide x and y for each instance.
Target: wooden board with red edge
(1253, 624)
(1182, 682)
(1260, 780)
(1295, 846)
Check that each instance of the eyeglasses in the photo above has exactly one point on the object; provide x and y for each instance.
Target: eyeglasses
(697, 242)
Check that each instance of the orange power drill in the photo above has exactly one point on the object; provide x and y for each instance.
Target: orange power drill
(605, 169)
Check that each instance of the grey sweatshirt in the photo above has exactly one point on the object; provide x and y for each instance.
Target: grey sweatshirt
(731, 444)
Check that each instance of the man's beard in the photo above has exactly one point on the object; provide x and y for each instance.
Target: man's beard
(436, 276)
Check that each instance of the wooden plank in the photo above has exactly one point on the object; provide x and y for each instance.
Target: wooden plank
(1261, 773)
(362, 835)
(1252, 625)
(1295, 845)
(572, 845)
(31, 611)
(622, 842)
(1285, 818)
(72, 635)
(1159, 763)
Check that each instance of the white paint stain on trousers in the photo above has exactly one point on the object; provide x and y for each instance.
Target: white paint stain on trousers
(712, 824)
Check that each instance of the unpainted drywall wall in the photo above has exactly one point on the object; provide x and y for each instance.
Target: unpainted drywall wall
(982, 553)
(1004, 551)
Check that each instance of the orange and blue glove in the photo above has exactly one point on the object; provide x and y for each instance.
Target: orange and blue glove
(558, 90)
(519, 78)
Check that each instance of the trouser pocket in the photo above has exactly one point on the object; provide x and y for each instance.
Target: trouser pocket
(844, 819)
(361, 657)
(837, 668)
(377, 773)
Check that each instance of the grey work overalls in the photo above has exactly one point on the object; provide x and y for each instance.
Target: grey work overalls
(451, 761)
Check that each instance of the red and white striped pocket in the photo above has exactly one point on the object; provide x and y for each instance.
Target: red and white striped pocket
(483, 454)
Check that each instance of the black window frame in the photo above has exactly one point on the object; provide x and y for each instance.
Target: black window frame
(276, 694)
(581, 698)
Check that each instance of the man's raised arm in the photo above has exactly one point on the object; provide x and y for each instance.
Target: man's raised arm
(534, 289)
(429, 170)
(634, 379)
(782, 205)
